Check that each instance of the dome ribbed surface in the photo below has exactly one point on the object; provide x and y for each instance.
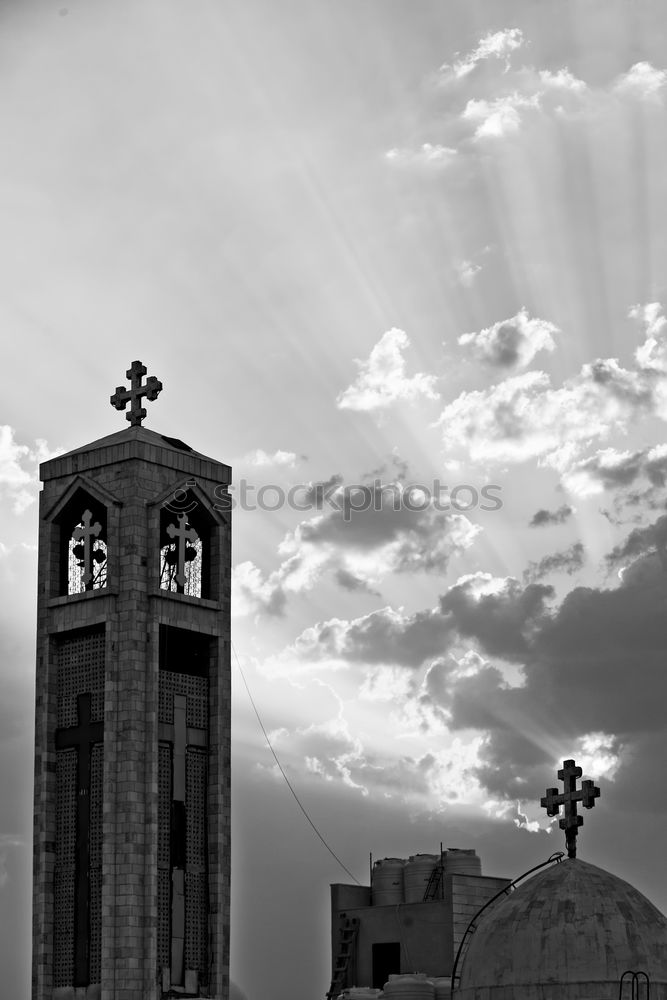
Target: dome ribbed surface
(569, 932)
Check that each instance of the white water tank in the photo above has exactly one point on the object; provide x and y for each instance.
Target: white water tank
(387, 882)
(461, 861)
(443, 987)
(416, 986)
(416, 875)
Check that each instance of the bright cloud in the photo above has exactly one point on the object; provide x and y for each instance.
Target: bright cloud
(652, 354)
(382, 379)
(467, 271)
(643, 81)
(495, 45)
(329, 750)
(427, 156)
(19, 469)
(253, 593)
(261, 459)
(511, 343)
(599, 754)
(525, 417)
(562, 80)
(499, 117)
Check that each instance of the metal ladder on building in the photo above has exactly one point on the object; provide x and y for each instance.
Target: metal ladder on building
(348, 936)
(431, 891)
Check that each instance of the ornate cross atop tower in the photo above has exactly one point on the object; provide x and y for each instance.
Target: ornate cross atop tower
(552, 801)
(150, 389)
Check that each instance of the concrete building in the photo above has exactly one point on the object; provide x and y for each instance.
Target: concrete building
(132, 751)
(372, 939)
(570, 932)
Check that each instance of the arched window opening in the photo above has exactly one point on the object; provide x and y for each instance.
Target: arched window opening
(181, 560)
(87, 562)
(83, 545)
(185, 547)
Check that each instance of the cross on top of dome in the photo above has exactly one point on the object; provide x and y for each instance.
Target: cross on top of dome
(135, 393)
(568, 798)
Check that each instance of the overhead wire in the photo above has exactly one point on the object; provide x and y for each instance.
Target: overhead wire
(282, 771)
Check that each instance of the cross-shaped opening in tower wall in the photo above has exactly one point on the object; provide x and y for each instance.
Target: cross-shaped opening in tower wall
(82, 737)
(568, 798)
(150, 389)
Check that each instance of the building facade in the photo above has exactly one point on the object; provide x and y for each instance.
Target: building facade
(132, 746)
(376, 933)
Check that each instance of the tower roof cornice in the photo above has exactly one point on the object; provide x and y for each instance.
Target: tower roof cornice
(135, 442)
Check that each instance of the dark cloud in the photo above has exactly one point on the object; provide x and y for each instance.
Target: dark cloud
(316, 492)
(511, 343)
(405, 529)
(628, 387)
(656, 468)
(501, 623)
(364, 534)
(619, 470)
(396, 467)
(506, 346)
(349, 581)
(568, 561)
(591, 664)
(543, 517)
(651, 538)
(383, 636)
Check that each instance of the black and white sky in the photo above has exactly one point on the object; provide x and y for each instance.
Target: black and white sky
(414, 247)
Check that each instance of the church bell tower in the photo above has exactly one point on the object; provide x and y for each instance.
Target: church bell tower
(132, 742)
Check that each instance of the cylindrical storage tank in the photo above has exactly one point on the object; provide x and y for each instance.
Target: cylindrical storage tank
(443, 987)
(461, 861)
(387, 882)
(416, 986)
(416, 874)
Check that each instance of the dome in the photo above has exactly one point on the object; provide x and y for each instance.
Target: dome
(570, 932)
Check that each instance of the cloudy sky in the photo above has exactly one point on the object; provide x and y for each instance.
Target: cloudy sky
(406, 259)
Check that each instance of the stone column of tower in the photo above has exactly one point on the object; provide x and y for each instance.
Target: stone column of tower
(132, 745)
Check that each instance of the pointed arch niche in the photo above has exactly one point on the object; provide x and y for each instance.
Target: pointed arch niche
(81, 542)
(188, 545)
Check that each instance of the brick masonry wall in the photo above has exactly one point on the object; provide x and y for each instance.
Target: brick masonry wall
(132, 473)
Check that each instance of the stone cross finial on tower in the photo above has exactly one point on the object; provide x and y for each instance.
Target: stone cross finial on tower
(552, 801)
(135, 393)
